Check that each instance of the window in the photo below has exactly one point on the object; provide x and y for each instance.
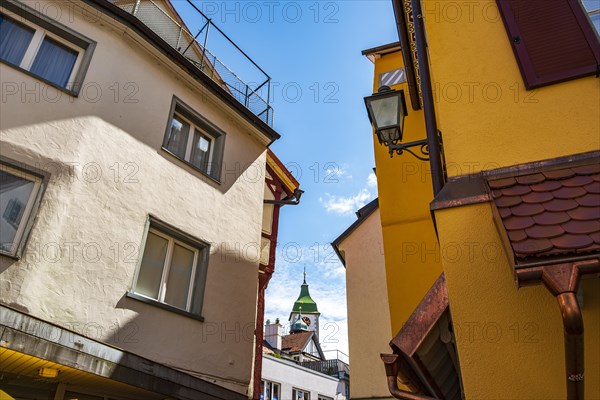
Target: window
(172, 271)
(20, 192)
(321, 397)
(298, 394)
(194, 140)
(544, 53)
(42, 47)
(592, 7)
(270, 390)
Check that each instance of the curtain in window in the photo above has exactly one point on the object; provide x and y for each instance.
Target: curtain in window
(178, 137)
(14, 40)
(54, 62)
(201, 152)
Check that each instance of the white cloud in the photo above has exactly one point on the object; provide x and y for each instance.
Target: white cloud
(346, 205)
(335, 173)
(372, 180)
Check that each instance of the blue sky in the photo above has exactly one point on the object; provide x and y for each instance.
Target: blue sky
(312, 51)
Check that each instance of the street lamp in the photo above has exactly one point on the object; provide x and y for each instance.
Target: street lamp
(387, 110)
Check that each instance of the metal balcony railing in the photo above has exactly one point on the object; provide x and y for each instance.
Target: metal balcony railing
(332, 367)
(175, 26)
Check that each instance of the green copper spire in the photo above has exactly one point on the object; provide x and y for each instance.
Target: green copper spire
(305, 302)
(299, 325)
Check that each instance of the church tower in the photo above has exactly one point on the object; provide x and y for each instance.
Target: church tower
(305, 309)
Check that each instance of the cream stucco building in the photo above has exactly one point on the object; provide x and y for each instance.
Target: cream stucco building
(360, 248)
(132, 186)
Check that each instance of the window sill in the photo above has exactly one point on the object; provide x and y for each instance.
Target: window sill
(190, 165)
(72, 93)
(164, 306)
(14, 256)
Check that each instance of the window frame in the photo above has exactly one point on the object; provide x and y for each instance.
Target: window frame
(31, 208)
(295, 391)
(266, 382)
(65, 36)
(590, 14)
(197, 123)
(323, 397)
(197, 286)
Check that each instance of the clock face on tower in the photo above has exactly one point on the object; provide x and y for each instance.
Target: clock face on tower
(306, 320)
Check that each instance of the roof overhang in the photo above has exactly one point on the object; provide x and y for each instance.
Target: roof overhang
(28, 335)
(426, 346)
(375, 53)
(546, 212)
(137, 26)
(286, 178)
(362, 216)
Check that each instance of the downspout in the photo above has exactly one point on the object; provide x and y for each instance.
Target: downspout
(563, 281)
(391, 362)
(433, 137)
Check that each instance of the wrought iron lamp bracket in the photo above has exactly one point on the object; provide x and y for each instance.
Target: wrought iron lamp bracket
(422, 153)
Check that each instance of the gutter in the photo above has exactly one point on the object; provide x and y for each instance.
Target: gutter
(391, 362)
(145, 32)
(292, 200)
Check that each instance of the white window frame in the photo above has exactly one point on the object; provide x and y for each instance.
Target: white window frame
(199, 268)
(273, 384)
(204, 127)
(295, 392)
(29, 211)
(59, 33)
(323, 397)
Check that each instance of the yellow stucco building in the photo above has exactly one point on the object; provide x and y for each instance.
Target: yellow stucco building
(510, 200)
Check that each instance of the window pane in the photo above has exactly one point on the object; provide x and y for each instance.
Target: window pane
(178, 136)
(180, 273)
(149, 277)
(14, 40)
(54, 62)
(201, 151)
(14, 196)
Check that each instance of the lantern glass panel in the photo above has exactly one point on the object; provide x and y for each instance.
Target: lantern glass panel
(385, 111)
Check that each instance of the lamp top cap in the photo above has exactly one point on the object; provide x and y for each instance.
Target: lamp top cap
(383, 89)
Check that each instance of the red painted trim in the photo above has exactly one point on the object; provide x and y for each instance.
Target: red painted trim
(263, 281)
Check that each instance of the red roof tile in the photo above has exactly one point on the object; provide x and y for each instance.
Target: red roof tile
(295, 342)
(551, 213)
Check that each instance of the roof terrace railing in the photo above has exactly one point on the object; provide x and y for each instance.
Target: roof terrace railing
(175, 26)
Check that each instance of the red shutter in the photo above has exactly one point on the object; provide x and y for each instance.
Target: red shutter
(553, 40)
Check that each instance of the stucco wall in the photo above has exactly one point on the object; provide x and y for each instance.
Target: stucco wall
(481, 101)
(107, 173)
(489, 120)
(405, 191)
(505, 334)
(368, 308)
(290, 375)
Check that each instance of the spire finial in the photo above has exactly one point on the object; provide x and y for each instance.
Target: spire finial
(304, 274)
